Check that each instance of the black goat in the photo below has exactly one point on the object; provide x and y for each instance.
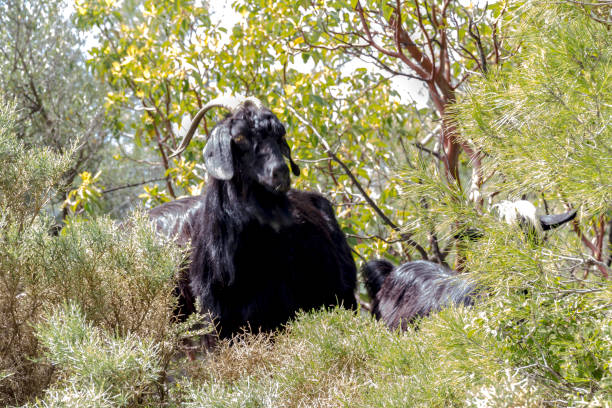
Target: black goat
(259, 250)
(412, 290)
(415, 289)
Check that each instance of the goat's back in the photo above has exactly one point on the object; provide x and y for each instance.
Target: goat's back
(175, 220)
(416, 289)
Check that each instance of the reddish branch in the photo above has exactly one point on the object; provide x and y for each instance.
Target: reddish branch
(435, 74)
(597, 248)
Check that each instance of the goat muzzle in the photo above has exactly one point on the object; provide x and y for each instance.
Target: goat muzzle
(279, 178)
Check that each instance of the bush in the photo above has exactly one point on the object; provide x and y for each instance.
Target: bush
(543, 126)
(339, 358)
(109, 369)
(121, 278)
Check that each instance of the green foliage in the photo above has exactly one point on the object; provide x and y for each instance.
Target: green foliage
(552, 322)
(165, 61)
(436, 211)
(545, 126)
(86, 197)
(149, 53)
(112, 371)
(28, 177)
(356, 111)
(543, 129)
(340, 358)
(43, 72)
(121, 277)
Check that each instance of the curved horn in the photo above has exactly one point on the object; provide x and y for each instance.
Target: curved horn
(231, 103)
(553, 221)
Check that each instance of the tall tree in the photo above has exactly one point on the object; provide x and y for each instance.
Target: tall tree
(348, 124)
(439, 43)
(43, 70)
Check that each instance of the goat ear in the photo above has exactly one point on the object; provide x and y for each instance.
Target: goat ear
(218, 154)
(286, 151)
(553, 221)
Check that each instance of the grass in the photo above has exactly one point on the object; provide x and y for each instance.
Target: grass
(341, 358)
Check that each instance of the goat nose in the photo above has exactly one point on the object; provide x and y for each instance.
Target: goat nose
(280, 172)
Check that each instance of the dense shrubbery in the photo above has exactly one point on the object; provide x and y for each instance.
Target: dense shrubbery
(544, 126)
(97, 369)
(120, 278)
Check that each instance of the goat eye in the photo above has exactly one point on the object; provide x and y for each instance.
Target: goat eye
(241, 140)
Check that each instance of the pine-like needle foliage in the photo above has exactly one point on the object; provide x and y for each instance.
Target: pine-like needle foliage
(97, 369)
(544, 124)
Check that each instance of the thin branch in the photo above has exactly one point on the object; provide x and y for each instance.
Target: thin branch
(440, 256)
(374, 236)
(425, 33)
(349, 173)
(365, 305)
(422, 73)
(601, 266)
(426, 150)
(110, 190)
(430, 135)
(475, 34)
(609, 261)
(164, 159)
(601, 232)
(599, 20)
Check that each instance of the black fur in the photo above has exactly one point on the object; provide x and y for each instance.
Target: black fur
(374, 274)
(413, 290)
(259, 251)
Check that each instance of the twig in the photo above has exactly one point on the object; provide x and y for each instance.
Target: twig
(132, 185)
(596, 309)
(364, 305)
(359, 255)
(423, 148)
(475, 34)
(600, 265)
(349, 173)
(609, 261)
(387, 241)
(571, 291)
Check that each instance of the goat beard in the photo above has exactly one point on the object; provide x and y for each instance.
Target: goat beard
(277, 217)
(269, 208)
(278, 189)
